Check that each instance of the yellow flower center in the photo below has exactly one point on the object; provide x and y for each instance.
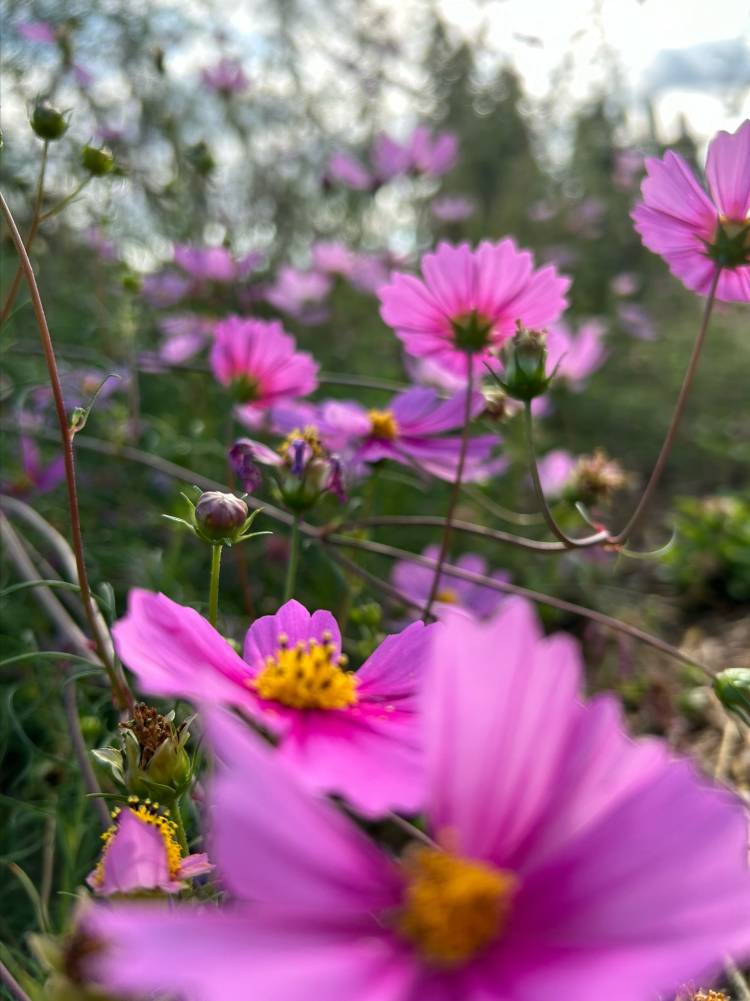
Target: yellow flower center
(383, 424)
(311, 438)
(149, 813)
(307, 676)
(453, 907)
(448, 596)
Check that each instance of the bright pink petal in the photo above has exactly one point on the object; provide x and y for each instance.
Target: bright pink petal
(134, 859)
(295, 622)
(728, 172)
(670, 187)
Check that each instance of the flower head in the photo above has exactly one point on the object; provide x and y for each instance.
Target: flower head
(35, 476)
(214, 264)
(452, 208)
(433, 155)
(563, 861)
(343, 168)
(469, 301)
(332, 725)
(260, 362)
(225, 77)
(697, 232)
(415, 582)
(300, 293)
(141, 853)
(573, 357)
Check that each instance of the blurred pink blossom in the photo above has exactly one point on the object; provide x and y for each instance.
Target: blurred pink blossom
(225, 77)
(453, 208)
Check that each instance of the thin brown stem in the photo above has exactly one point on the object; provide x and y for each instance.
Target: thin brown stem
(35, 222)
(456, 490)
(120, 690)
(674, 424)
(504, 587)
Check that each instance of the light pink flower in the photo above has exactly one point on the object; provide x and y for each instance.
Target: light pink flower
(300, 293)
(415, 582)
(576, 356)
(185, 334)
(469, 302)
(636, 320)
(343, 168)
(693, 231)
(625, 284)
(333, 727)
(569, 862)
(628, 168)
(141, 853)
(433, 155)
(225, 77)
(333, 257)
(453, 208)
(165, 288)
(368, 272)
(214, 264)
(37, 31)
(260, 362)
(555, 470)
(389, 158)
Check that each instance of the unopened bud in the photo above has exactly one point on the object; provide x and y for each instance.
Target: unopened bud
(97, 162)
(48, 122)
(201, 158)
(732, 688)
(525, 365)
(219, 517)
(596, 478)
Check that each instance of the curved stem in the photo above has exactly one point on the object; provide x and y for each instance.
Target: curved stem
(11, 984)
(456, 491)
(35, 221)
(674, 424)
(213, 588)
(120, 690)
(293, 559)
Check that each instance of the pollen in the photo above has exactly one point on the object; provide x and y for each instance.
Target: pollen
(453, 907)
(309, 675)
(447, 596)
(310, 437)
(383, 424)
(150, 813)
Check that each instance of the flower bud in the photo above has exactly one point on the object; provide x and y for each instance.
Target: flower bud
(201, 159)
(220, 517)
(48, 122)
(525, 365)
(732, 688)
(97, 162)
(596, 478)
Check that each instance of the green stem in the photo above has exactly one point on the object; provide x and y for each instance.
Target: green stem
(213, 590)
(291, 567)
(549, 518)
(456, 491)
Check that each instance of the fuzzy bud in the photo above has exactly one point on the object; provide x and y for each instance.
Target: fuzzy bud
(525, 365)
(219, 516)
(48, 122)
(596, 478)
(97, 162)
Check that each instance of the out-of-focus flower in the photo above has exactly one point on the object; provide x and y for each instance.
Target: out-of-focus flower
(541, 211)
(389, 158)
(141, 854)
(585, 218)
(82, 76)
(416, 583)
(636, 321)
(164, 288)
(453, 208)
(368, 272)
(555, 470)
(215, 264)
(185, 334)
(225, 77)
(628, 168)
(333, 727)
(470, 301)
(625, 284)
(574, 357)
(261, 363)
(432, 154)
(99, 242)
(333, 257)
(695, 232)
(300, 294)
(37, 31)
(343, 168)
(568, 860)
(410, 430)
(35, 477)
(596, 478)
(428, 372)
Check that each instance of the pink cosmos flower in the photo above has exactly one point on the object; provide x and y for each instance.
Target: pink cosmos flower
(696, 232)
(260, 362)
(578, 355)
(299, 293)
(628, 168)
(35, 477)
(555, 470)
(469, 302)
(368, 272)
(225, 77)
(185, 334)
(389, 158)
(625, 284)
(568, 861)
(214, 264)
(343, 168)
(433, 155)
(453, 208)
(333, 257)
(37, 31)
(428, 372)
(164, 288)
(416, 583)
(332, 726)
(410, 430)
(636, 321)
(141, 853)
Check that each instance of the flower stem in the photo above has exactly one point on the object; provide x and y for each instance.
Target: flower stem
(456, 491)
(120, 690)
(674, 424)
(213, 590)
(291, 567)
(35, 221)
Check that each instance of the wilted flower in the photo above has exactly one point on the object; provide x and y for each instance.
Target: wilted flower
(142, 853)
(259, 361)
(567, 861)
(470, 301)
(332, 726)
(226, 76)
(695, 232)
(415, 582)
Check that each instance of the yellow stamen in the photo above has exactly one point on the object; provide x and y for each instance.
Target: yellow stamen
(453, 907)
(311, 438)
(146, 812)
(448, 596)
(383, 424)
(307, 676)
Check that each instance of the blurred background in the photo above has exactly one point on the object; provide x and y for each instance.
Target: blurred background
(321, 143)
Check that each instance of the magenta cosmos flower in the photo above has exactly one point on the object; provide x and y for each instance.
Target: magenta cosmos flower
(141, 853)
(410, 430)
(214, 264)
(332, 725)
(697, 232)
(567, 861)
(576, 356)
(469, 301)
(415, 582)
(261, 364)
